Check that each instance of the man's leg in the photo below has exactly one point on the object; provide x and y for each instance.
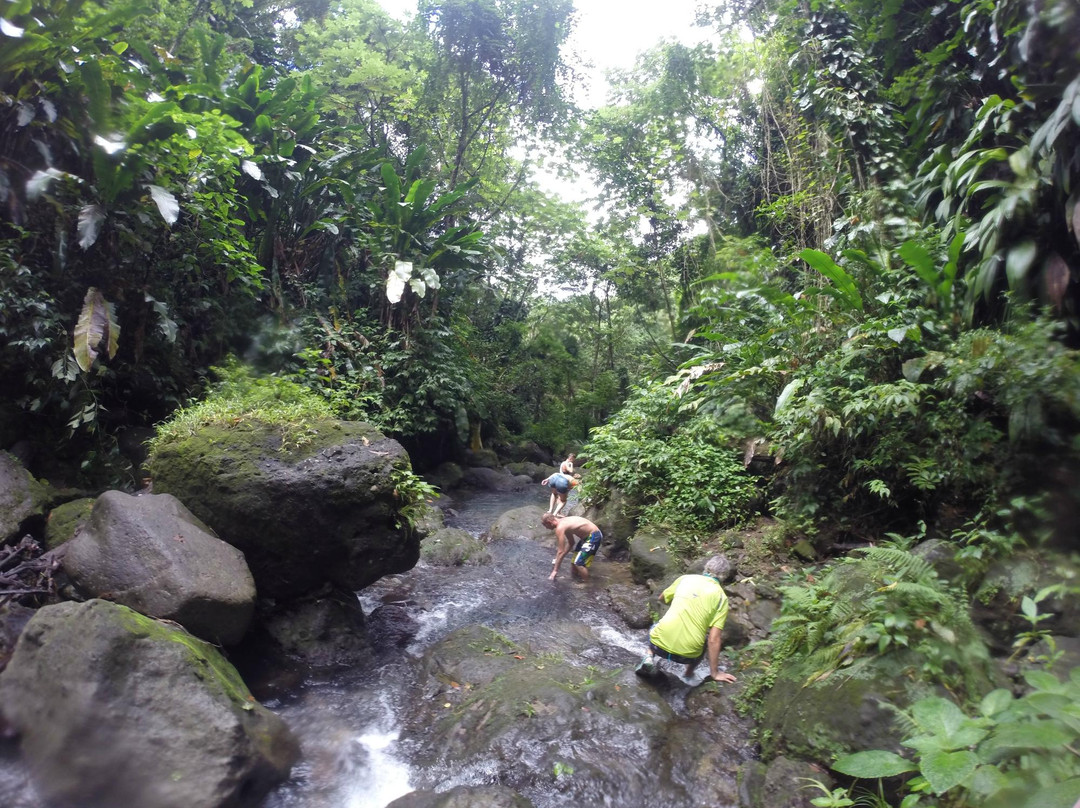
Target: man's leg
(562, 501)
(690, 668)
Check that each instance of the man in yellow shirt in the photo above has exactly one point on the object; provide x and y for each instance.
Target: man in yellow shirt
(692, 627)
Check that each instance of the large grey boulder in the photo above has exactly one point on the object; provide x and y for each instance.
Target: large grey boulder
(327, 510)
(613, 517)
(650, 559)
(489, 479)
(454, 547)
(22, 498)
(151, 554)
(114, 708)
(523, 522)
(526, 708)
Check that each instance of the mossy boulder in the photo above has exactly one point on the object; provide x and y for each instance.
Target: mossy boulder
(523, 522)
(23, 500)
(525, 711)
(114, 708)
(453, 547)
(65, 520)
(321, 506)
(1009, 580)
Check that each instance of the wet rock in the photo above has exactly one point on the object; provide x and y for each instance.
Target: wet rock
(23, 500)
(429, 520)
(634, 604)
(65, 520)
(649, 557)
(114, 709)
(534, 471)
(521, 522)
(613, 517)
(305, 515)
(942, 557)
(13, 619)
(452, 547)
(151, 554)
(391, 625)
(524, 711)
(446, 476)
(489, 479)
(790, 784)
(481, 458)
(322, 631)
(464, 797)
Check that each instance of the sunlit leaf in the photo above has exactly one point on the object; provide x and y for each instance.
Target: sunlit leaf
(166, 204)
(251, 169)
(91, 218)
(96, 324)
(10, 29)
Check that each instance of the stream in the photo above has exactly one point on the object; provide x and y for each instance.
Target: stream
(353, 724)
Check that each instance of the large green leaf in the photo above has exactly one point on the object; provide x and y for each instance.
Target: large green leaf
(945, 770)
(843, 283)
(96, 324)
(1035, 735)
(874, 764)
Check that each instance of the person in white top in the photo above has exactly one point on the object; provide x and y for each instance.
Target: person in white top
(567, 466)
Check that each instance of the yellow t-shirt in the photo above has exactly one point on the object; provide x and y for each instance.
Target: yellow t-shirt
(698, 603)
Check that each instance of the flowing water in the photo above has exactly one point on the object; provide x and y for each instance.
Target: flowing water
(349, 722)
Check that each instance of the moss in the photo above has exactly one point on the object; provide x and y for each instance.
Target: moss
(201, 654)
(65, 520)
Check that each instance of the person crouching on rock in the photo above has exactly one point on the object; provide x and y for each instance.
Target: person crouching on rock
(574, 528)
(692, 627)
(560, 487)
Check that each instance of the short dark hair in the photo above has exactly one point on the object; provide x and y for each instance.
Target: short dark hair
(549, 520)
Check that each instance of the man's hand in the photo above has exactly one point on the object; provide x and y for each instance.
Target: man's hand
(722, 677)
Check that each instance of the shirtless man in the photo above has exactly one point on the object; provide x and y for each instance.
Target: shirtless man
(577, 529)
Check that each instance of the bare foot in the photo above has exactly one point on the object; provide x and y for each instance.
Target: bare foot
(552, 576)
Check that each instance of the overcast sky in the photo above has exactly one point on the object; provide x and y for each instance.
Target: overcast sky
(611, 33)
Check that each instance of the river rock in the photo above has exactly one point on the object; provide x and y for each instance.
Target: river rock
(489, 479)
(66, 520)
(13, 619)
(464, 797)
(323, 631)
(523, 522)
(525, 712)
(633, 604)
(996, 605)
(23, 500)
(324, 511)
(613, 517)
(453, 547)
(151, 554)
(534, 471)
(117, 709)
(446, 476)
(481, 458)
(649, 557)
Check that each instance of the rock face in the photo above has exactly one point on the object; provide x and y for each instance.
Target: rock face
(453, 547)
(22, 498)
(613, 517)
(303, 516)
(464, 797)
(66, 520)
(524, 712)
(114, 709)
(151, 554)
(521, 522)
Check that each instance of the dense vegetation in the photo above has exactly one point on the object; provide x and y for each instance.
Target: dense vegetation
(846, 230)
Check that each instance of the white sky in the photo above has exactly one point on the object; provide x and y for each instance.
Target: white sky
(611, 33)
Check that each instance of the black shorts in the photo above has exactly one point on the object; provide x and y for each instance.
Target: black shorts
(660, 652)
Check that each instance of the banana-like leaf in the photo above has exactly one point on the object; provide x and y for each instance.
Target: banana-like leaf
(844, 288)
(91, 218)
(97, 324)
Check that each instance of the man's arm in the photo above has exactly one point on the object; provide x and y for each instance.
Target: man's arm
(713, 652)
